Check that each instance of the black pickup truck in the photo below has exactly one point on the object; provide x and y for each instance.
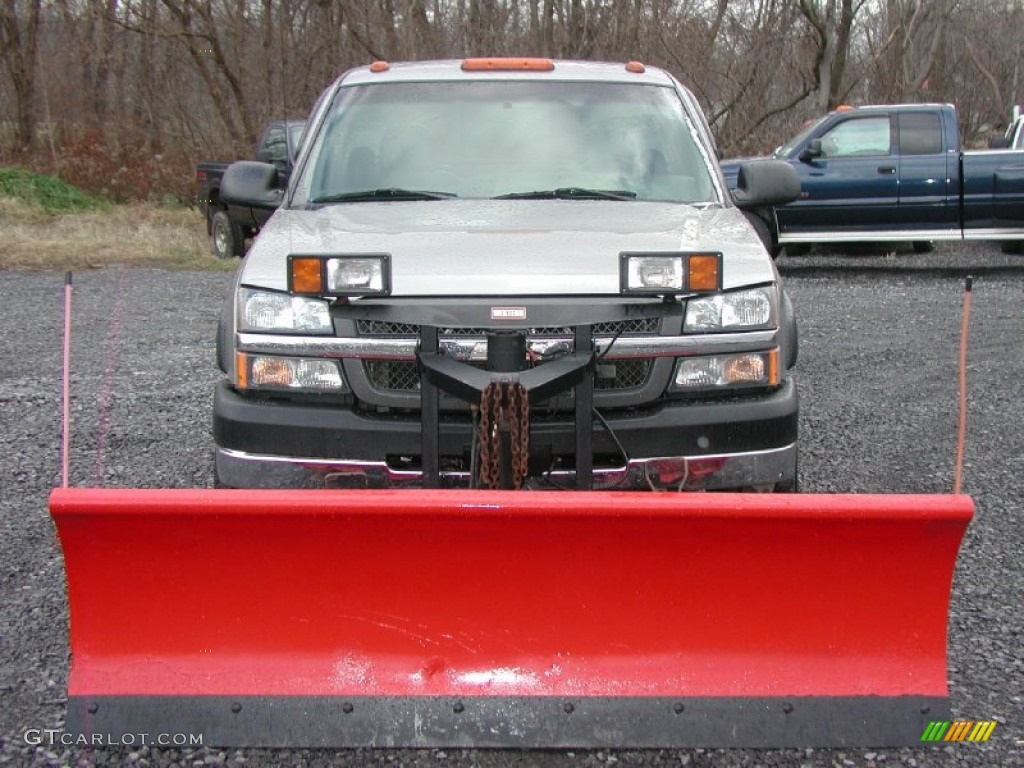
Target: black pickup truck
(230, 225)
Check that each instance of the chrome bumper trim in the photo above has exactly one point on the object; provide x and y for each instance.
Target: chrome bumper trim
(475, 349)
(758, 470)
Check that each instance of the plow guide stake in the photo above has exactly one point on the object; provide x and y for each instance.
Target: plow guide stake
(431, 618)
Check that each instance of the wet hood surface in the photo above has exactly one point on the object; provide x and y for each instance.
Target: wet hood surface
(506, 247)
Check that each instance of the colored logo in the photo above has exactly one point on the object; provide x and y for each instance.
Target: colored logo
(958, 730)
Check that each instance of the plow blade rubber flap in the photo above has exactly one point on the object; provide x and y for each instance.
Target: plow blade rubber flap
(476, 618)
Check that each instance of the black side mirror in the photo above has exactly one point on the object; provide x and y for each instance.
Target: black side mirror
(766, 182)
(252, 184)
(812, 151)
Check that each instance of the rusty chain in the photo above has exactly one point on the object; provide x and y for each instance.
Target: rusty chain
(504, 408)
(490, 454)
(519, 428)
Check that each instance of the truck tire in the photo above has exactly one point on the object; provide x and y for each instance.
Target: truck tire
(923, 246)
(1012, 247)
(789, 336)
(226, 237)
(766, 233)
(224, 334)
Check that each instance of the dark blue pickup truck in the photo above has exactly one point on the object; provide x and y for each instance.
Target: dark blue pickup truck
(893, 173)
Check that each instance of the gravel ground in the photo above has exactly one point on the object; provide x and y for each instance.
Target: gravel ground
(879, 334)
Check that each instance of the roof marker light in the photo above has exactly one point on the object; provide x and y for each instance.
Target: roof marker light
(506, 64)
(380, 66)
(636, 67)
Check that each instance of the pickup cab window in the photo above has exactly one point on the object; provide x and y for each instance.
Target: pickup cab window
(505, 138)
(275, 146)
(920, 133)
(858, 137)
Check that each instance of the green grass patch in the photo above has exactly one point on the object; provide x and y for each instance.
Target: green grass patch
(48, 193)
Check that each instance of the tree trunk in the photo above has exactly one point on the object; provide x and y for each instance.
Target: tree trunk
(20, 46)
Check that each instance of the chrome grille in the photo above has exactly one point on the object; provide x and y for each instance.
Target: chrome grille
(402, 375)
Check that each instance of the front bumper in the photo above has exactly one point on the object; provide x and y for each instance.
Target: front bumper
(739, 443)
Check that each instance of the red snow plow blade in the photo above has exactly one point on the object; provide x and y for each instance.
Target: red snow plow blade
(493, 618)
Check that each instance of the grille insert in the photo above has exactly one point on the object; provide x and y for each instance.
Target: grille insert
(401, 375)
(640, 326)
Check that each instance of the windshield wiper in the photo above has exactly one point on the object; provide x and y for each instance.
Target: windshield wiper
(384, 193)
(571, 193)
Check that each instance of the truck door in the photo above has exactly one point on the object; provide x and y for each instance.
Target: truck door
(848, 180)
(928, 176)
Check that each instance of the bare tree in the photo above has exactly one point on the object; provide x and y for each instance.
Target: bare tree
(200, 77)
(832, 23)
(19, 44)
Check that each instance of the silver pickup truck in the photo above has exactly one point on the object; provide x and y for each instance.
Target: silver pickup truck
(516, 273)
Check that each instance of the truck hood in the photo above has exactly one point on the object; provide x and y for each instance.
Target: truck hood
(506, 247)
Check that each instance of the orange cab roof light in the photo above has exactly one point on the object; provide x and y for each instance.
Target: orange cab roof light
(844, 108)
(380, 66)
(636, 67)
(507, 63)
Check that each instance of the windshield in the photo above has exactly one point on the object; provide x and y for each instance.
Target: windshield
(787, 149)
(498, 138)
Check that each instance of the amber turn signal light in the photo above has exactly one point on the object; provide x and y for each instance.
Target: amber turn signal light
(305, 275)
(705, 272)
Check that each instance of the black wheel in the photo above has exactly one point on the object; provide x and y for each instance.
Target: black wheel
(797, 249)
(1012, 247)
(226, 237)
(764, 231)
(923, 246)
(224, 335)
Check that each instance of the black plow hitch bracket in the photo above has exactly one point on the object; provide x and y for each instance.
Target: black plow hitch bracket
(506, 372)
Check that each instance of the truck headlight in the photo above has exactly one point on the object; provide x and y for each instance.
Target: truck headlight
(726, 371)
(269, 311)
(310, 374)
(654, 273)
(359, 276)
(738, 310)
